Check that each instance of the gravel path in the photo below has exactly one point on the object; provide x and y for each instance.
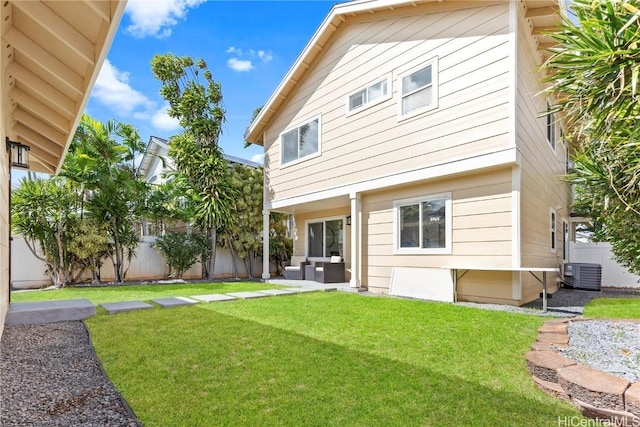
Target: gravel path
(612, 347)
(51, 376)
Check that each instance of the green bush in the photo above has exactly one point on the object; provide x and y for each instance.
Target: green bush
(180, 250)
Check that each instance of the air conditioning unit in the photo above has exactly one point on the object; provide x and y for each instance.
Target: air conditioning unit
(582, 276)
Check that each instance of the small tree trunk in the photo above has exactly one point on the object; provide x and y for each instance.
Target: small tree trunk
(212, 260)
(233, 255)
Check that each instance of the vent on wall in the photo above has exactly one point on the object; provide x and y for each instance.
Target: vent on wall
(582, 276)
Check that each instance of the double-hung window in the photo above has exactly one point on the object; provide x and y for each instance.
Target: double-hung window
(551, 127)
(553, 230)
(423, 225)
(369, 95)
(325, 238)
(418, 90)
(302, 141)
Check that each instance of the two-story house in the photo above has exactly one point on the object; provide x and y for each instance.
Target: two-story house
(410, 136)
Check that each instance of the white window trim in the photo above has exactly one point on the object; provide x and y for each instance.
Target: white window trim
(307, 157)
(323, 220)
(368, 105)
(554, 127)
(553, 230)
(565, 240)
(434, 84)
(448, 225)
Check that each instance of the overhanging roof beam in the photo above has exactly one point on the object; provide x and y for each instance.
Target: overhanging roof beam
(58, 28)
(48, 92)
(37, 108)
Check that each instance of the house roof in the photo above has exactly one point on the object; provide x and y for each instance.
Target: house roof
(51, 56)
(542, 17)
(159, 147)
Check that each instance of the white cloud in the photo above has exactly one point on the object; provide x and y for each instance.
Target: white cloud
(156, 17)
(265, 56)
(243, 60)
(161, 120)
(240, 64)
(113, 90)
(258, 158)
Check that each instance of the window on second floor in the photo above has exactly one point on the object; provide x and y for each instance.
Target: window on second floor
(551, 127)
(418, 90)
(300, 142)
(369, 95)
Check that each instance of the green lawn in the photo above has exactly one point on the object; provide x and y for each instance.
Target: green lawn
(325, 359)
(99, 295)
(615, 308)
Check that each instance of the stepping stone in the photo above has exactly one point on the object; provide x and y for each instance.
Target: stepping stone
(41, 312)
(214, 297)
(247, 295)
(277, 292)
(302, 290)
(119, 307)
(174, 302)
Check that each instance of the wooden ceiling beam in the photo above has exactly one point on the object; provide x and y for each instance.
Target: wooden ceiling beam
(61, 72)
(40, 157)
(58, 28)
(39, 141)
(101, 8)
(48, 92)
(541, 11)
(37, 108)
(39, 126)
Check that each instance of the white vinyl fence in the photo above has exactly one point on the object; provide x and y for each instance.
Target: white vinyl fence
(613, 274)
(29, 272)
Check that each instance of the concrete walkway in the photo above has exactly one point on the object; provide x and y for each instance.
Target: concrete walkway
(42, 312)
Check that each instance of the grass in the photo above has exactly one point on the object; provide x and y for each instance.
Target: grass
(616, 308)
(326, 359)
(99, 295)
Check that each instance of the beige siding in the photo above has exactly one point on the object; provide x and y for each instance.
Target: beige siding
(481, 230)
(541, 174)
(471, 45)
(4, 231)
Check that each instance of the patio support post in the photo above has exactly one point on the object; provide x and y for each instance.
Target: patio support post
(265, 244)
(356, 226)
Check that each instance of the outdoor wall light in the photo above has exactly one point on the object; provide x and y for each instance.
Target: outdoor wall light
(18, 154)
(349, 220)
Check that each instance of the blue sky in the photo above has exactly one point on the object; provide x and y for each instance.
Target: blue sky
(248, 46)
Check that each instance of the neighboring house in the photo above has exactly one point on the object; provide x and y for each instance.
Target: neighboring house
(409, 136)
(51, 56)
(155, 162)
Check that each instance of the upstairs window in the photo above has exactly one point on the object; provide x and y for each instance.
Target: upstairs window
(369, 95)
(301, 142)
(551, 128)
(418, 90)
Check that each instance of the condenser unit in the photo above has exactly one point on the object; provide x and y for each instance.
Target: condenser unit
(582, 276)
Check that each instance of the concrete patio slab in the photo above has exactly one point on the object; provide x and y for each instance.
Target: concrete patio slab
(214, 298)
(41, 312)
(277, 292)
(247, 295)
(174, 302)
(302, 290)
(120, 307)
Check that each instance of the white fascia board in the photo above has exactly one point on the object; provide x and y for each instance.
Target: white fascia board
(507, 157)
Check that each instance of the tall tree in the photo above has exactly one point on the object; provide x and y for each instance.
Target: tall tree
(594, 74)
(100, 162)
(195, 99)
(43, 213)
(243, 236)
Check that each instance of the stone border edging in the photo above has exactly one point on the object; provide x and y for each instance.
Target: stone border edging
(598, 395)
